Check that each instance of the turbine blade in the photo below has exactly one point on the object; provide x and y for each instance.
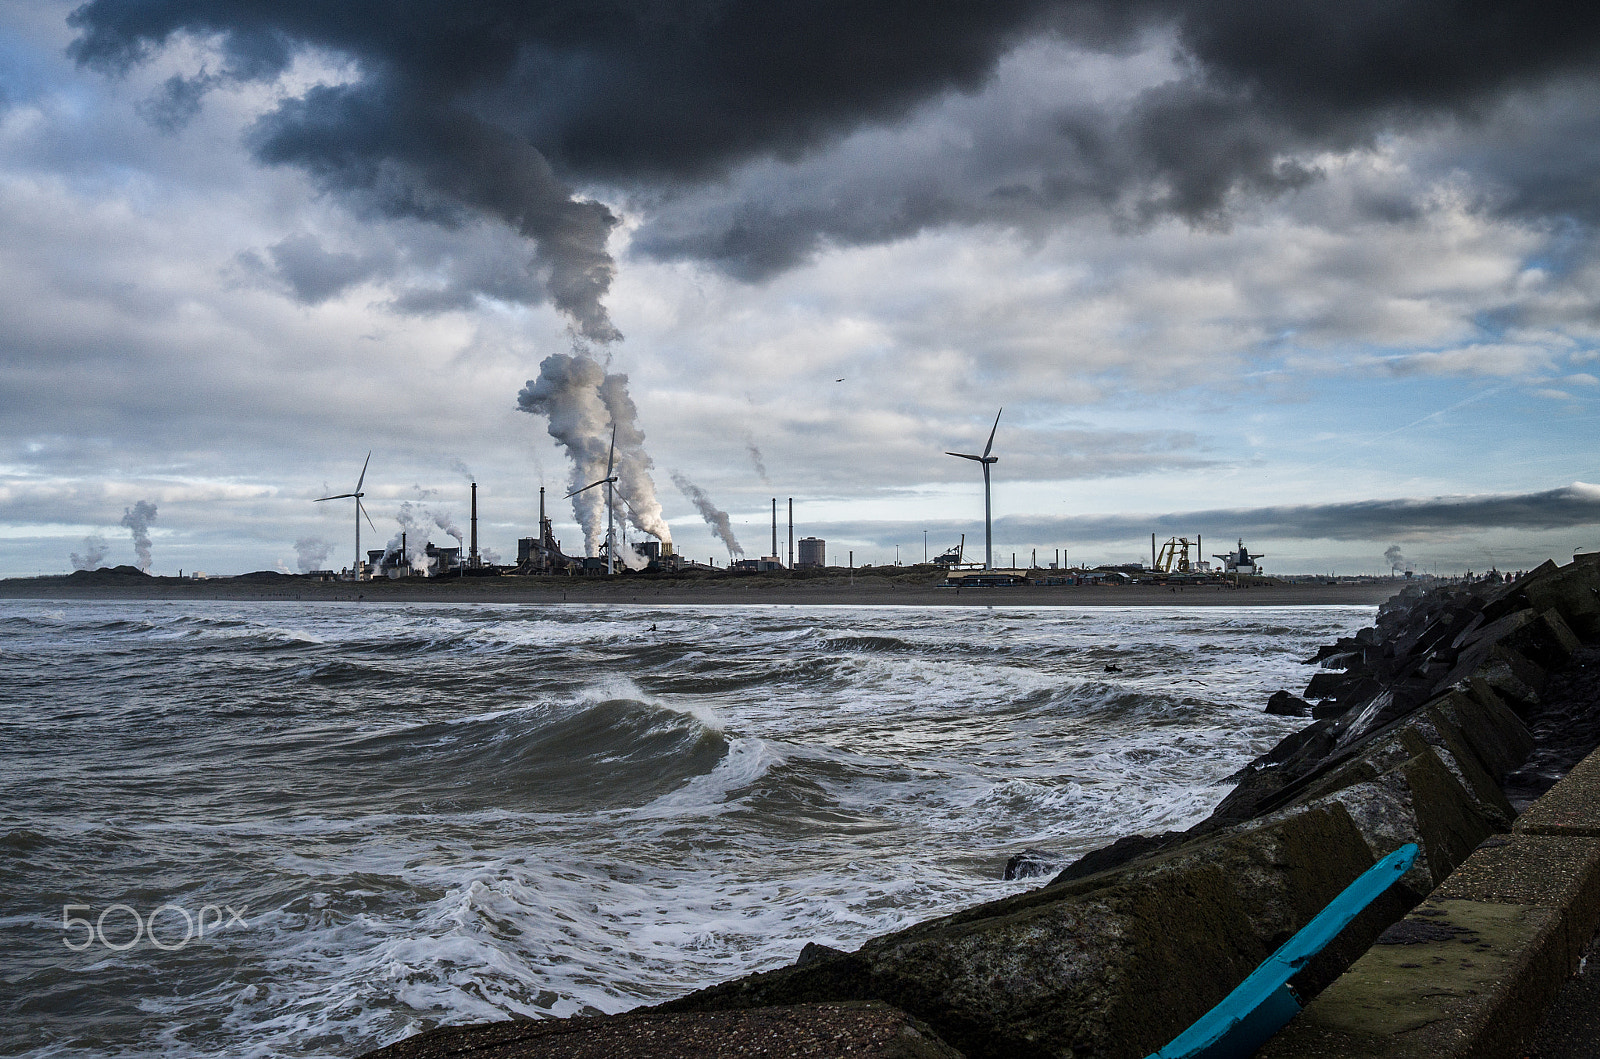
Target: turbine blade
(585, 489)
(992, 429)
(341, 496)
(363, 471)
(363, 509)
(612, 455)
(964, 456)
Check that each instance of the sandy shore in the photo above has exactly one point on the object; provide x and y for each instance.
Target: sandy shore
(866, 590)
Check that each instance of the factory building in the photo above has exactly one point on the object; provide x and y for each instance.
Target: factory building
(813, 552)
(436, 562)
(765, 564)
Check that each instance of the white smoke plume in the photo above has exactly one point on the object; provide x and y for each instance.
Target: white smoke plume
(715, 517)
(415, 520)
(443, 520)
(755, 457)
(1396, 560)
(629, 557)
(137, 519)
(311, 553)
(460, 467)
(581, 402)
(94, 553)
(634, 483)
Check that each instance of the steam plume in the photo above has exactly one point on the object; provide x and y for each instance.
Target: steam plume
(460, 467)
(311, 553)
(1397, 561)
(716, 518)
(138, 519)
(634, 483)
(415, 521)
(581, 403)
(443, 520)
(94, 553)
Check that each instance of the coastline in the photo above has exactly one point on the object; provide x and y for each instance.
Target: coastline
(751, 591)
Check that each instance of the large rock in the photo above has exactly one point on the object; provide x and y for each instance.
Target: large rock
(1111, 965)
(1572, 590)
(811, 1031)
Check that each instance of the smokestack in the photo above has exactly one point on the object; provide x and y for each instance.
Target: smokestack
(1152, 551)
(791, 533)
(474, 554)
(774, 527)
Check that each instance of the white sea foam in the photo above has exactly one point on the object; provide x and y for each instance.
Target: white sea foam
(800, 774)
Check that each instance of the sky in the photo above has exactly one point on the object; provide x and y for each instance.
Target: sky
(1320, 277)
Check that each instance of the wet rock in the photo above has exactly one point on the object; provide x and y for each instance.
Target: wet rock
(1283, 704)
(818, 1031)
(1031, 863)
(814, 952)
(1112, 964)
(1122, 851)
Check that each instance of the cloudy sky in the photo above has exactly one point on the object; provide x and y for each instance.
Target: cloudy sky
(1323, 276)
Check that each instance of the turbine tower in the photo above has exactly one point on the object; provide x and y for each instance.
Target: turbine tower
(609, 481)
(355, 571)
(986, 460)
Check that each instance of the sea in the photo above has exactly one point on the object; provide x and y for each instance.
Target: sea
(312, 829)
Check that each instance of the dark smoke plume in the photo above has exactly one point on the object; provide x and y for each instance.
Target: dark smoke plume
(715, 517)
(137, 519)
(94, 553)
(755, 457)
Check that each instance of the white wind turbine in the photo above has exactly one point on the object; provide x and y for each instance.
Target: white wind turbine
(609, 481)
(986, 460)
(360, 511)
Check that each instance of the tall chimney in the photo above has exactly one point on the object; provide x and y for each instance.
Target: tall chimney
(791, 533)
(474, 555)
(774, 529)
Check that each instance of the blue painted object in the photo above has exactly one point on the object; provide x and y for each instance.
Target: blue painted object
(1263, 1003)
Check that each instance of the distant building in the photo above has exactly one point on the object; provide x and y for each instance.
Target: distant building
(434, 562)
(764, 564)
(813, 552)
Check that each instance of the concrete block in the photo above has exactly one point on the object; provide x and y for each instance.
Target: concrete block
(1571, 807)
(1470, 971)
(1110, 965)
(1496, 734)
(1572, 590)
(1546, 640)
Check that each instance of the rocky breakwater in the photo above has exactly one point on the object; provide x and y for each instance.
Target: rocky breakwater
(1418, 723)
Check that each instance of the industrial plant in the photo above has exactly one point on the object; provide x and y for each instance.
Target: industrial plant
(592, 417)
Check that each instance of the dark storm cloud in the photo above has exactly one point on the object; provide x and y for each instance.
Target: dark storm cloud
(1564, 508)
(503, 108)
(1412, 519)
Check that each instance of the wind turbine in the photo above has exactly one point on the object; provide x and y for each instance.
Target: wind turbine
(355, 570)
(986, 460)
(608, 481)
